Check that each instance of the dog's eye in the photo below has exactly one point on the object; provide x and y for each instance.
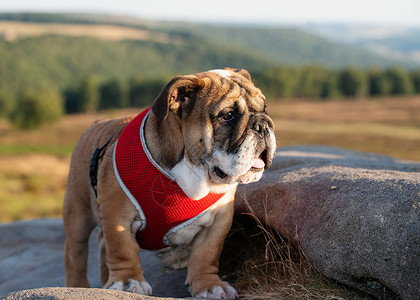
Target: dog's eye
(228, 117)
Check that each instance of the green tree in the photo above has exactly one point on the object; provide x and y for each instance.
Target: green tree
(72, 101)
(415, 79)
(277, 82)
(310, 81)
(144, 92)
(89, 94)
(112, 95)
(352, 82)
(135, 91)
(36, 108)
(378, 83)
(7, 103)
(330, 86)
(400, 81)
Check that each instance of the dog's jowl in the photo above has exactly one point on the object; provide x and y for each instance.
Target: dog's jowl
(167, 176)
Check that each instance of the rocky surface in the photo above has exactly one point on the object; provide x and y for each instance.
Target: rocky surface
(355, 215)
(32, 256)
(75, 294)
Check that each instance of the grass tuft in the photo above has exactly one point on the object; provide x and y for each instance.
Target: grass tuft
(261, 264)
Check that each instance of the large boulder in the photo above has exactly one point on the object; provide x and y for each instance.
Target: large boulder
(32, 256)
(75, 294)
(356, 216)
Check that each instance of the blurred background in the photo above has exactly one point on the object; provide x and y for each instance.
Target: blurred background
(344, 74)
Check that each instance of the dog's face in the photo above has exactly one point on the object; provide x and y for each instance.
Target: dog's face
(226, 131)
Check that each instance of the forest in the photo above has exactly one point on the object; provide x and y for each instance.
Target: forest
(91, 93)
(46, 75)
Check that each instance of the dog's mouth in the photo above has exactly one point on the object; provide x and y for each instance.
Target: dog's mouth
(220, 173)
(258, 166)
(260, 163)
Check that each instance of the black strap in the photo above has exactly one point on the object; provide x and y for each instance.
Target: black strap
(94, 163)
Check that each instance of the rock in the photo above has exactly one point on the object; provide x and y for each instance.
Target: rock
(75, 294)
(356, 216)
(32, 256)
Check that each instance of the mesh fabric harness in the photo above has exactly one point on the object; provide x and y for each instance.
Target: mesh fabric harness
(163, 206)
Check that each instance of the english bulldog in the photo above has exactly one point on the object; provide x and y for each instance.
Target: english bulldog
(167, 176)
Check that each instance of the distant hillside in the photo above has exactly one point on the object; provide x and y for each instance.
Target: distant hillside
(15, 30)
(58, 50)
(291, 46)
(399, 42)
(61, 61)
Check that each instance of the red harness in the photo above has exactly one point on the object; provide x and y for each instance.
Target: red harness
(163, 206)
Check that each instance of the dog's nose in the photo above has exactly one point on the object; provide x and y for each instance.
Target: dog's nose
(259, 127)
(260, 123)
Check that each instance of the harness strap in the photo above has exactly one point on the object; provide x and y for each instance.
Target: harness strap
(94, 163)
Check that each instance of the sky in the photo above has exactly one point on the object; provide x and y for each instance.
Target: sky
(382, 12)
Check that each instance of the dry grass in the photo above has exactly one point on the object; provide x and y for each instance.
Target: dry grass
(262, 265)
(13, 30)
(60, 136)
(385, 126)
(32, 163)
(32, 186)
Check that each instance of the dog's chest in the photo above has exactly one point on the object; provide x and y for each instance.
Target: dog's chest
(187, 233)
(164, 207)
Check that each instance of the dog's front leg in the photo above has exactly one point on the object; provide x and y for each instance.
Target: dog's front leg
(122, 255)
(203, 280)
(118, 219)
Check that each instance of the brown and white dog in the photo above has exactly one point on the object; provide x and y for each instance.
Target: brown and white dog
(208, 132)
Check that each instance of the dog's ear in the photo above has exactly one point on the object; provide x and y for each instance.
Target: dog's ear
(178, 96)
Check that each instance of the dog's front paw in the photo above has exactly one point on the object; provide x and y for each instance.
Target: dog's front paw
(132, 286)
(219, 292)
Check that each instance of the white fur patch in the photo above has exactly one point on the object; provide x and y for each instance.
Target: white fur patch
(218, 188)
(137, 225)
(118, 286)
(133, 286)
(273, 142)
(193, 180)
(235, 164)
(217, 292)
(223, 73)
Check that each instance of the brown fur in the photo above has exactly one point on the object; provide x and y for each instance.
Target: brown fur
(179, 124)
